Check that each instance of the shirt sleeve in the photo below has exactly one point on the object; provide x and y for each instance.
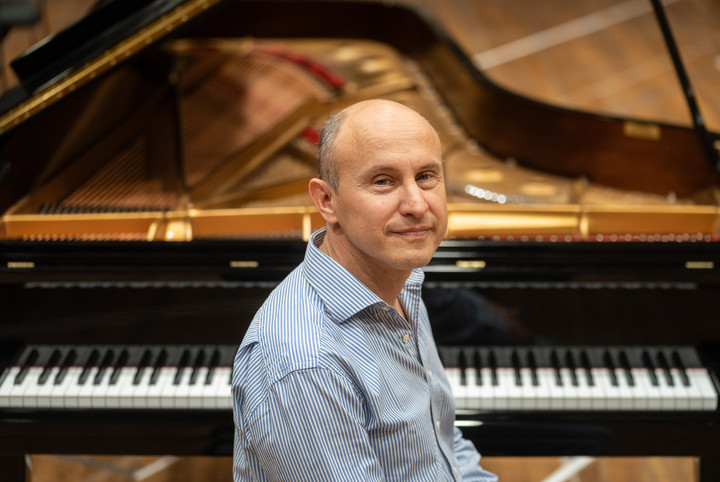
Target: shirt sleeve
(469, 461)
(310, 427)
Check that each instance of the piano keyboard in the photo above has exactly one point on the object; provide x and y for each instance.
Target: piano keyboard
(119, 377)
(590, 378)
(482, 378)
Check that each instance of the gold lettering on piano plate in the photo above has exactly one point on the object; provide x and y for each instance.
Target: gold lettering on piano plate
(244, 264)
(470, 263)
(699, 265)
(20, 264)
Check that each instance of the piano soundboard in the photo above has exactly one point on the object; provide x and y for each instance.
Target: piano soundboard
(482, 378)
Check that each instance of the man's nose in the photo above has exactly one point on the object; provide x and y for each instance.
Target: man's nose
(412, 201)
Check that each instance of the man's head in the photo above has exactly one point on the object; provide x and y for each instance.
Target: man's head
(382, 187)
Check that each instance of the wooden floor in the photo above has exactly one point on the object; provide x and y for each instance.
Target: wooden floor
(209, 469)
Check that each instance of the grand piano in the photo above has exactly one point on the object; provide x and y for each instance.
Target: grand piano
(154, 159)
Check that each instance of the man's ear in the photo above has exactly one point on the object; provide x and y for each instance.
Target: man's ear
(323, 195)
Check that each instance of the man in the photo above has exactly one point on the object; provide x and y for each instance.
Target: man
(338, 376)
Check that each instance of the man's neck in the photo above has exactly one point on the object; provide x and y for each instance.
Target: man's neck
(385, 283)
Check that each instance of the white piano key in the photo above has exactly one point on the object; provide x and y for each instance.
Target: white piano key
(140, 391)
(45, 391)
(26, 393)
(479, 397)
(87, 390)
(98, 397)
(646, 395)
(219, 394)
(530, 392)
(117, 394)
(69, 389)
(198, 391)
(515, 393)
(608, 393)
(180, 392)
(157, 392)
(7, 386)
(624, 391)
(708, 395)
(545, 389)
(505, 377)
(584, 391)
(667, 394)
(570, 391)
(459, 391)
(683, 393)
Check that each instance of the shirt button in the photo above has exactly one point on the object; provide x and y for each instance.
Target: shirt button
(429, 374)
(437, 424)
(455, 469)
(385, 308)
(405, 338)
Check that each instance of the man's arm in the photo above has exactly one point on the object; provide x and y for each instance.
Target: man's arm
(469, 460)
(310, 427)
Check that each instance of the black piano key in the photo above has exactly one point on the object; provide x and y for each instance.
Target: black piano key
(570, 363)
(91, 362)
(462, 365)
(214, 360)
(648, 363)
(493, 364)
(477, 363)
(184, 362)
(532, 364)
(625, 363)
(198, 363)
(52, 362)
(555, 362)
(585, 362)
(67, 362)
(142, 365)
(665, 366)
(119, 364)
(610, 364)
(677, 361)
(159, 363)
(515, 359)
(103, 366)
(29, 362)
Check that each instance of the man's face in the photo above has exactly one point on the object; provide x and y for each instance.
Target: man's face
(391, 203)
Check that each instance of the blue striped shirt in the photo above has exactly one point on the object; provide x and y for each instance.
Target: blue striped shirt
(331, 383)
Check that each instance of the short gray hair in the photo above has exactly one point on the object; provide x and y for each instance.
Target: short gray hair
(327, 150)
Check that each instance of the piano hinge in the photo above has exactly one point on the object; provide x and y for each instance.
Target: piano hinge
(699, 265)
(244, 264)
(470, 263)
(20, 264)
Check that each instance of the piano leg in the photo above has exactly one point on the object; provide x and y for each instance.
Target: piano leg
(13, 468)
(708, 468)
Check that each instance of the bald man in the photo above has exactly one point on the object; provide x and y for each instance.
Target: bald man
(338, 377)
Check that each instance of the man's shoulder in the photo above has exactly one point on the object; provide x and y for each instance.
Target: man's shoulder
(288, 328)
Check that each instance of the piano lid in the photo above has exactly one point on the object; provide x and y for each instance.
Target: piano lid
(137, 101)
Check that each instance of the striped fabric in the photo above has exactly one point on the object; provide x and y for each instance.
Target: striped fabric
(331, 383)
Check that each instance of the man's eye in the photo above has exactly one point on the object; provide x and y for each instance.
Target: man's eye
(381, 182)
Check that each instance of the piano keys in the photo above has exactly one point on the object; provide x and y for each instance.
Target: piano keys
(148, 377)
(579, 378)
(119, 377)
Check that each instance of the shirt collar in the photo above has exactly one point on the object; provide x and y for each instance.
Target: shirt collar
(342, 293)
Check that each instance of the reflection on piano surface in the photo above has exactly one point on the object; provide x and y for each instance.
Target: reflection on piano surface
(169, 196)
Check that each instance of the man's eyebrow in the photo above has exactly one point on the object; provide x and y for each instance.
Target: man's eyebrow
(383, 167)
